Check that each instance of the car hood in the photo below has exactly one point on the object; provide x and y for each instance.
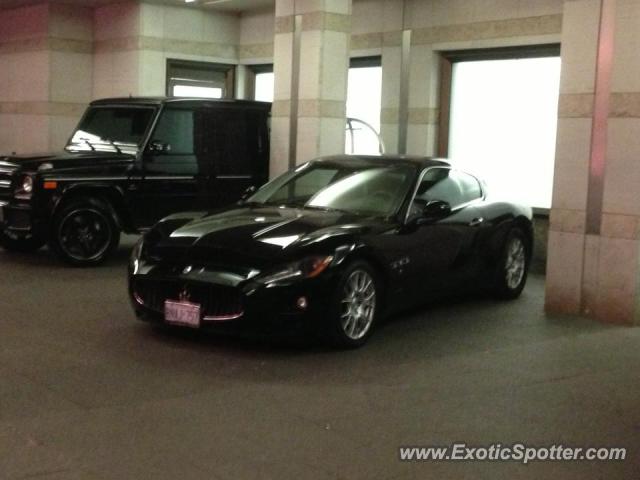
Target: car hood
(67, 160)
(253, 238)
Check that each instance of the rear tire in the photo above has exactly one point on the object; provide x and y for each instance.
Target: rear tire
(21, 245)
(85, 232)
(355, 306)
(513, 266)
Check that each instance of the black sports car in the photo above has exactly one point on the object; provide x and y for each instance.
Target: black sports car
(330, 247)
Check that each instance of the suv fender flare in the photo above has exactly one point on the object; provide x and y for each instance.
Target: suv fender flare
(102, 195)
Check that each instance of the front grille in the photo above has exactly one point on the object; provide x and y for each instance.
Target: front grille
(6, 179)
(217, 302)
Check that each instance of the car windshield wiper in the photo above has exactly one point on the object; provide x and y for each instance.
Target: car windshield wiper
(112, 143)
(324, 209)
(86, 140)
(259, 204)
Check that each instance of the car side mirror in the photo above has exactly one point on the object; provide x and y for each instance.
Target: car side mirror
(248, 192)
(159, 147)
(435, 210)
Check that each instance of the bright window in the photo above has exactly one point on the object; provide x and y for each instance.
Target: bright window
(503, 125)
(364, 95)
(193, 91)
(264, 87)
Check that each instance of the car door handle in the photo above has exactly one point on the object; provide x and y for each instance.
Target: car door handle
(476, 222)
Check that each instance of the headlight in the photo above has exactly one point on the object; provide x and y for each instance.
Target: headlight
(25, 187)
(309, 267)
(27, 184)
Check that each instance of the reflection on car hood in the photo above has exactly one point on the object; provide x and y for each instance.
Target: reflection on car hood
(251, 237)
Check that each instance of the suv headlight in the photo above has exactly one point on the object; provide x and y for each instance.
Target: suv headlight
(309, 267)
(25, 187)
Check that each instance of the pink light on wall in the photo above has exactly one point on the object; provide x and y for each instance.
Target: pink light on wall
(604, 67)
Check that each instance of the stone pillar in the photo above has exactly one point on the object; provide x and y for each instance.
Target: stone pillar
(595, 217)
(391, 68)
(45, 75)
(310, 81)
(423, 98)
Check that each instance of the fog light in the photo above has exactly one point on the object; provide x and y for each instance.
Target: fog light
(302, 303)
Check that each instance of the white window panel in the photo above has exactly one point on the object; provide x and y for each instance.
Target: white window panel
(503, 125)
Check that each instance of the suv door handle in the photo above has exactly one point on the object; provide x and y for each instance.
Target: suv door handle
(476, 222)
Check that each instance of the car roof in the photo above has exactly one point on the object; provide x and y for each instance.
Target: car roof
(387, 159)
(156, 101)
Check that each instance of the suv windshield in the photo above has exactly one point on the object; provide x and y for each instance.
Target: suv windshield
(368, 190)
(112, 128)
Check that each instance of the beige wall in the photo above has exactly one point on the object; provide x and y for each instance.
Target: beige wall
(45, 75)
(121, 49)
(437, 25)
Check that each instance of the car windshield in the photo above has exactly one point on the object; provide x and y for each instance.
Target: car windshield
(112, 128)
(370, 190)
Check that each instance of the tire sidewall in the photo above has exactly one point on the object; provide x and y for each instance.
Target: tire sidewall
(89, 204)
(334, 331)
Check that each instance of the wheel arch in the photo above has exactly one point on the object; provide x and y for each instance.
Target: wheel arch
(109, 196)
(366, 255)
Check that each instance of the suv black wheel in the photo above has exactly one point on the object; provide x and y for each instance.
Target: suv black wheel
(513, 265)
(85, 232)
(19, 244)
(355, 306)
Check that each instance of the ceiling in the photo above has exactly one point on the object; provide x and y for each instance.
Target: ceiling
(219, 5)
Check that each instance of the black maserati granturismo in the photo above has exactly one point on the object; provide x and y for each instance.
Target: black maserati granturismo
(331, 247)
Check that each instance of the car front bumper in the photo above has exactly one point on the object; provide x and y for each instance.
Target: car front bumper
(17, 220)
(245, 307)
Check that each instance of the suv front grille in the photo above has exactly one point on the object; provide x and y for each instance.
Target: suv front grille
(217, 302)
(7, 171)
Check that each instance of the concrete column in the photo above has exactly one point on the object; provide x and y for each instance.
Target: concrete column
(595, 218)
(391, 68)
(311, 49)
(423, 99)
(45, 75)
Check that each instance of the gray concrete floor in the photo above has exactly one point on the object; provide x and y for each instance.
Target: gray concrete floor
(87, 392)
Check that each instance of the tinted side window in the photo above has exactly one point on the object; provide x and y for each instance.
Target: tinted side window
(227, 139)
(439, 184)
(470, 187)
(175, 127)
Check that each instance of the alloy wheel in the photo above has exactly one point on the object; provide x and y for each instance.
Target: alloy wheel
(358, 304)
(85, 235)
(516, 263)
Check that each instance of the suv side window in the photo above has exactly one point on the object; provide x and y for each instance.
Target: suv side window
(176, 129)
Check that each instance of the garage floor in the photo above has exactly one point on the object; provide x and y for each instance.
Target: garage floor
(87, 392)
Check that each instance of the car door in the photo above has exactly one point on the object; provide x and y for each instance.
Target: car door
(170, 171)
(438, 252)
(232, 151)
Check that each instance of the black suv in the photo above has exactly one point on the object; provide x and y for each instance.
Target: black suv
(130, 163)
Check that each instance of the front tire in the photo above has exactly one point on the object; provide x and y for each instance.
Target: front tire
(513, 266)
(355, 306)
(85, 233)
(21, 245)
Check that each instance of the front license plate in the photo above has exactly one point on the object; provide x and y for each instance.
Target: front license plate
(182, 313)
